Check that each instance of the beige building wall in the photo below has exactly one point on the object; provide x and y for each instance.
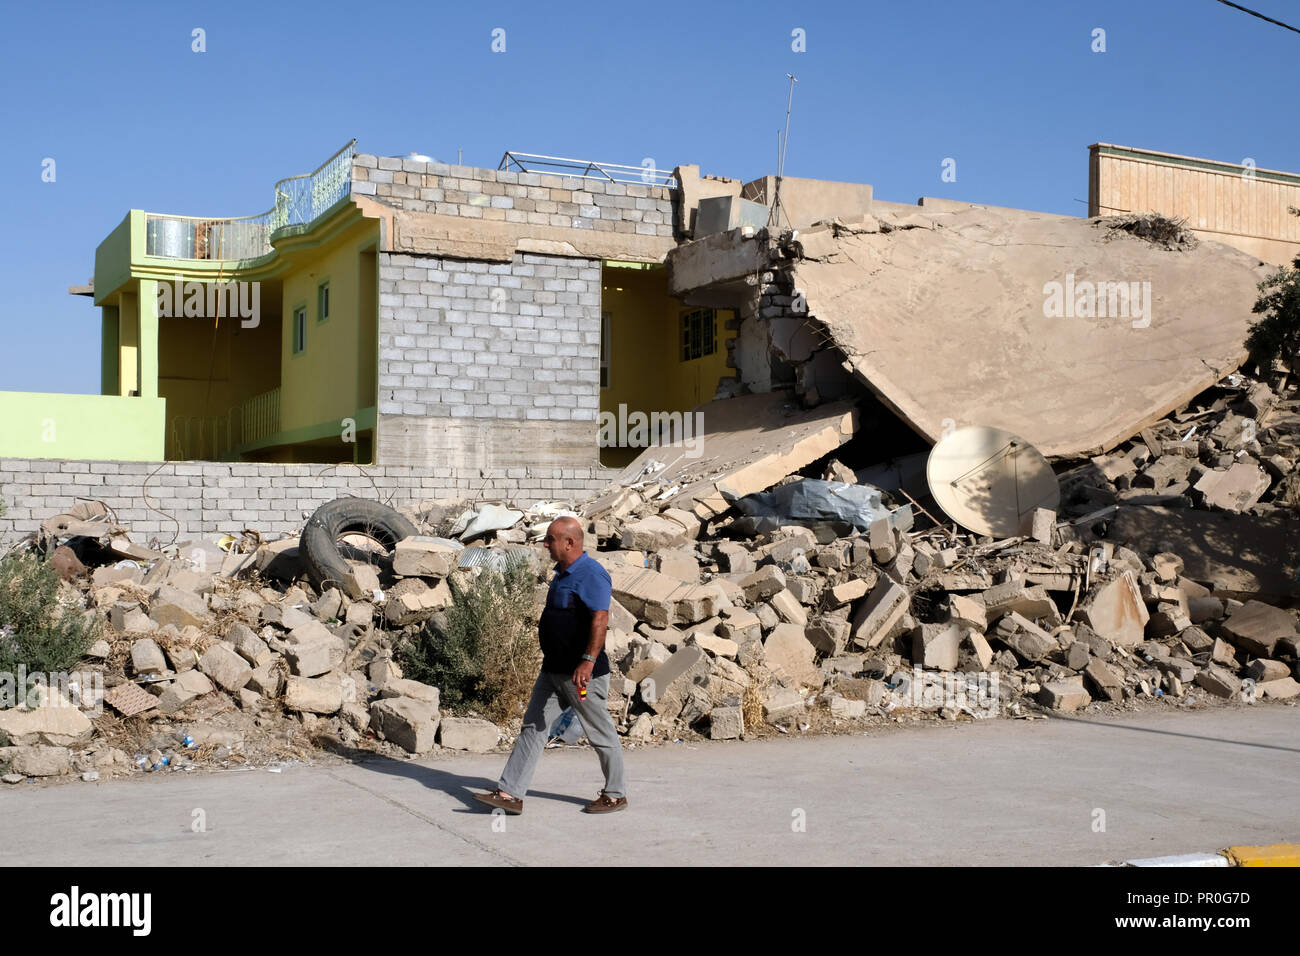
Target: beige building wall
(1241, 206)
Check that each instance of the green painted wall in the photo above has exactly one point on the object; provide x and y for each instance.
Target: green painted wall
(51, 425)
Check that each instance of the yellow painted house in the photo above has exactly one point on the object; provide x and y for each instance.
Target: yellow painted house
(259, 338)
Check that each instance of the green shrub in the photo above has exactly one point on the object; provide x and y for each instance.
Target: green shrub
(36, 631)
(1277, 334)
(482, 654)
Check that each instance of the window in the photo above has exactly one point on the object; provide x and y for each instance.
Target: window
(698, 338)
(299, 329)
(606, 320)
(322, 302)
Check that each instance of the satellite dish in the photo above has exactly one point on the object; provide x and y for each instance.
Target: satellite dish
(989, 481)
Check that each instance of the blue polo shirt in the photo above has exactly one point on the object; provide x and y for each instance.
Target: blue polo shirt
(565, 628)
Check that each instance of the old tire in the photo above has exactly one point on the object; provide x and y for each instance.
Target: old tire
(319, 547)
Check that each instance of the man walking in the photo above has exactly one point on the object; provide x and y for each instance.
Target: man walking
(575, 673)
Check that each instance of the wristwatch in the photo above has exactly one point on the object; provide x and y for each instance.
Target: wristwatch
(588, 657)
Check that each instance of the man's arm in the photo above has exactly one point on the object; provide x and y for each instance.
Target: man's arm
(596, 643)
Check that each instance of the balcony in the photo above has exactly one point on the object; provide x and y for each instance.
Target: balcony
(299, 201)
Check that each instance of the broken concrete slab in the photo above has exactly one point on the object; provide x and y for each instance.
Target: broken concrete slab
(1256, 627)
(879, 613)
(468, 733)
(1237, 489)
(937, 645)
(789, 654)
(410, 724)
(1050, 322)
(666, 688)
(314, 695)
(1117, 611)
(57, 725)
(1066, 695)
(749, 443)
(225, 667)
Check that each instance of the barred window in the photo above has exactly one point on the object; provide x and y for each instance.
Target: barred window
(699, 336)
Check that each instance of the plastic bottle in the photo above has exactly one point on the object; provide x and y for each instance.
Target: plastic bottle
(142, 761)
(189, 743)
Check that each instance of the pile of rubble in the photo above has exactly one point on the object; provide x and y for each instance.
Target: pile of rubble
(721, 625)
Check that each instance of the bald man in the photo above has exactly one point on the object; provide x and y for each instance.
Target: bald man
(575, 673)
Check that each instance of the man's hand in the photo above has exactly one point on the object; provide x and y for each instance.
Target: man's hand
(582, 675)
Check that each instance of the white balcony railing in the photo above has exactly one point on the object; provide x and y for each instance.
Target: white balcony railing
(299, 201)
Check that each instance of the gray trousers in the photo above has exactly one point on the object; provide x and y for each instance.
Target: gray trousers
(551, 694)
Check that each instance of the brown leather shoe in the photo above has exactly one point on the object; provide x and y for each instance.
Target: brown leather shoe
(497, 799)
(604, 803)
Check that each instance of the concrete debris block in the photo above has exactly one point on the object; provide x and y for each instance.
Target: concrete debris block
(847, 593)
(1117, 611)
(329, 606)
(382, 670)
(147, 658)
(314, 695)
(763, 583)
(642, 728)
(678, 564)
(250, 701)
(468, 733)
(267, 680)
(415, 603)
(360, 613)
(782, 704)
(1104, 679)
(412, 689)
(1113, 467)
(1221, 652)
(1166, 620)
(1029, 642)
(1184, 670)
(653, 533)
(726, 723)
(1042, 524)
(936, 646)
(410, 724)
(620, 617)
(830, 635)
(684, 518)
(726, 679)
(1218, 681)
(424, 557)
(900, 568)
(1283, 688)
(1165, 471)
(788, 652)
(884, 545)
(879, 613)
(1031, 601)
(666, 689)
(979, 647)
(846, 708)
(695, 707)
(805, 589)
(1237, 489)
(1202, 609)
(171, 605)
(1257, 627)
(734, 558)
(740, 625)
(1263, 670)
(717, 646)
(174, 698)
(361, 581)
(248, 645)
(58, 725)
(225, 667)
(661, 601)
(1066, 695)
(1098, 645)
(288, 616)
(1167, 566)
(967, 612)
(312, 650)
(1196, 640)
(869, 691)
(788, 608)
(41, 761)
(1077, 655)
(181, 658)
(195, 682)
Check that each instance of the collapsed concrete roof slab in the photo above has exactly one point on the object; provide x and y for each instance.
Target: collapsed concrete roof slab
(749, 443)
(981, 317)
(1240, 556)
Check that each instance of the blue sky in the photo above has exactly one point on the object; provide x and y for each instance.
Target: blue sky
(1009, 89)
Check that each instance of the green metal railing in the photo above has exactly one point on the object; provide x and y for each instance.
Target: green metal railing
(299, 201)
(215, 438)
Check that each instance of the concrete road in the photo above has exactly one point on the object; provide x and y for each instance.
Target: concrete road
(997, 792)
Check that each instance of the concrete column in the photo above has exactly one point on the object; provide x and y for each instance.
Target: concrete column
(147, 306)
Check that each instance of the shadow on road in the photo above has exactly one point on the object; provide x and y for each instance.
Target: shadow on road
(1171, 733)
